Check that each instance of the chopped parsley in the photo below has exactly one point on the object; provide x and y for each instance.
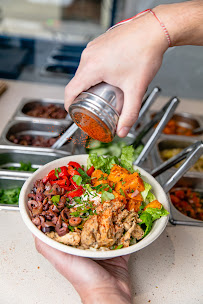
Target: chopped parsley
(57, 171)
(106, 196)
(86, 179)
(55, 199)
(77, 179)
(77, 199)
(71, 228)
(122, 192)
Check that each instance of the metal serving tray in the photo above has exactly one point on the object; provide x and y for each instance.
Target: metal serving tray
(190, 180)
(12, 156)
(9, 182)
(36, 127)
(27, 104)
(186, 120)
(171, 142)
(59, 70)
(73, 48)
(64, 58)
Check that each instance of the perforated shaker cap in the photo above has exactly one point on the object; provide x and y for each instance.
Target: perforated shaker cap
(96, 111)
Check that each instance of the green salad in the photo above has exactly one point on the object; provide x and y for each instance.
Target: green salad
(113, 148)
(23, 167)
(9, 196)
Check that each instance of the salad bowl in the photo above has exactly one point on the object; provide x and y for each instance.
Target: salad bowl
(157, 228)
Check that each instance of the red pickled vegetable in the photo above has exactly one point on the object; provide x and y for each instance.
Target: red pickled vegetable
(90, 170)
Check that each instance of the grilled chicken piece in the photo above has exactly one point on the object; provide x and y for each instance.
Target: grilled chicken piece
(89, 232)
(119, 229)
(125, 240)
(138, 233)
(130, 220)
(121, 216)
(71, 238)
(106, 232)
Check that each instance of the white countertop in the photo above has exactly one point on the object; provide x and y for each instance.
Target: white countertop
(167, 271)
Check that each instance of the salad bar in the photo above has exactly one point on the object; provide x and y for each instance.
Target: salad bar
(26, 144)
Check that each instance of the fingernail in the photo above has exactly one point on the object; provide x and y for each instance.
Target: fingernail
(123, 131)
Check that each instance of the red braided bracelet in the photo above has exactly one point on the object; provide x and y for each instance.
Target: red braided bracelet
(141, 13)
(163, 27)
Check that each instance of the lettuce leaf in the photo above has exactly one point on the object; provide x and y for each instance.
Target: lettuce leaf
(146, 223)
(106, 163)
(156, 213)
(103, 163)
(150, 197)
(146, 190)
(149, 216)
(127, 158)
(137, 151)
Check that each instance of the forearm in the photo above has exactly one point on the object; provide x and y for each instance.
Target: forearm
(184, 22)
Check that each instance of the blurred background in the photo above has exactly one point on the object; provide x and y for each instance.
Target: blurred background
(42, 40)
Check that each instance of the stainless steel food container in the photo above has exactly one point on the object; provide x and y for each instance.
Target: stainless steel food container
(191, 179)
(194, 182)
(27, 104)
(186, 120)
(9, 182)
(171, 142)
(64, 58)
(59, 70)
(32, 127)
(13, 155)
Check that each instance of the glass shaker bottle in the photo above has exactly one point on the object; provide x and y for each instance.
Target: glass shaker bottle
(96, 111)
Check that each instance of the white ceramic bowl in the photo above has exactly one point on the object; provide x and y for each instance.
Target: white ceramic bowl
(157, 228)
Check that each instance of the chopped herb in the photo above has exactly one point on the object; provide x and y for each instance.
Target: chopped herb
(88, 187)
(132, 191)
(113, 186)
(55, 199)
(56, 173)
(123, 182)
(71, 228)
(50, 190)
(9, 196)
(101, 177)
(102, 187)
(77, 179)
(76, 213)
(59, 170)
(97, 187)
(85, 178)
(106, 196)
(119, 246)
(122, 192)
(110, 190)
(23, 167)
(77, 199)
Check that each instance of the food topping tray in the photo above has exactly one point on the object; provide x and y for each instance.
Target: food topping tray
(13, 154)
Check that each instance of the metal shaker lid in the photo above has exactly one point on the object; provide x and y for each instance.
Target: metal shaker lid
(97, 110)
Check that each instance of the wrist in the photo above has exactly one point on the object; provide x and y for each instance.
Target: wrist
(183, 21)
(152, 31)
(106, 296)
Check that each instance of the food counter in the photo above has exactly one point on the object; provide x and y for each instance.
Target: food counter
(167, 271)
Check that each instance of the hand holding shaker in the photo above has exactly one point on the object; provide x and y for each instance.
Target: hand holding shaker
(96, 111)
